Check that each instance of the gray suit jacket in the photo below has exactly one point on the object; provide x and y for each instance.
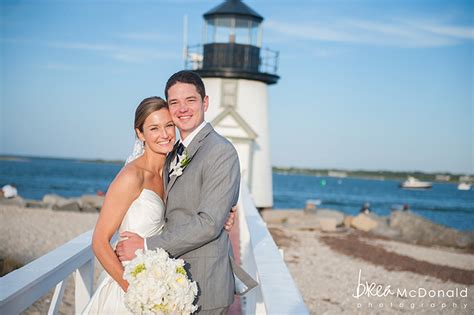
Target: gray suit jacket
(197, 206)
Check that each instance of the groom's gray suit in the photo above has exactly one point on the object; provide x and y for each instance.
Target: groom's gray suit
(197, 206)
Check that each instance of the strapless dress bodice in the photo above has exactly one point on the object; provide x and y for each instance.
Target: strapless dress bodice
(145, 215)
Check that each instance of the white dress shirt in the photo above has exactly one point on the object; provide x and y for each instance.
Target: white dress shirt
(187, 141)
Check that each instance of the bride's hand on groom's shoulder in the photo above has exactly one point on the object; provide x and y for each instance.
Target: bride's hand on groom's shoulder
(230, 220)
(126, 248)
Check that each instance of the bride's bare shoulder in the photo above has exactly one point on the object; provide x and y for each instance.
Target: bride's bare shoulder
(130, 178)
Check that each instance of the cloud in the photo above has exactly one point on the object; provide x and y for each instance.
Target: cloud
(146, 36)
(122, 53)
(84, 46)
(463, 32)
(142, 55)
(400, 33)
(119, 53)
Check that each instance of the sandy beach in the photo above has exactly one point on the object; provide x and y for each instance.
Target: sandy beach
(29, 233)
(325, 266)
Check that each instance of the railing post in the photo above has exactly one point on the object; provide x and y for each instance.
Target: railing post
(84, 284)
(57, 297)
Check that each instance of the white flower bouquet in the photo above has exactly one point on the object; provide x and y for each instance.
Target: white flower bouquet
(158, 284)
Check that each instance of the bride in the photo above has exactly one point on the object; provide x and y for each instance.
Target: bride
(134, 202)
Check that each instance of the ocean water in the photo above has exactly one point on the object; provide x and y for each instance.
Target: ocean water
(35, 177)
(444, 204)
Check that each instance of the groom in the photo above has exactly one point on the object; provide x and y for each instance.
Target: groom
(202, 179)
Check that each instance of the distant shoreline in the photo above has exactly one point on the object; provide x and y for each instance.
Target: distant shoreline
(24, 158)
(376, 175)
(332, 172)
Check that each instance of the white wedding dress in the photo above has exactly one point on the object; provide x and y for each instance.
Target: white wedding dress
(144, 217)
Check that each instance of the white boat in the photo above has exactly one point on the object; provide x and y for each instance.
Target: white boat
(464, 186)
(413, 183)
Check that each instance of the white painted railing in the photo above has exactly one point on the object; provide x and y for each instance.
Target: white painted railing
(22, 287)
(276, 293)
(260, 257)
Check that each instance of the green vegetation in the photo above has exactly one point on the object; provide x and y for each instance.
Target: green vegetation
(381, 175)
(27, 159)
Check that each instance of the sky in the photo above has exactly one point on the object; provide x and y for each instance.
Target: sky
(373, 85)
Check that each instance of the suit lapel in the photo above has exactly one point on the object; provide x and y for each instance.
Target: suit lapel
(191, 149)
(166, 170)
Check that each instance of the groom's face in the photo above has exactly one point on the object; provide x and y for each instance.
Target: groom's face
(186, 106)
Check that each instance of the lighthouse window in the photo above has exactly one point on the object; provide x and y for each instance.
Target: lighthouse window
(242, 34)
(232, 30)
(229, 93)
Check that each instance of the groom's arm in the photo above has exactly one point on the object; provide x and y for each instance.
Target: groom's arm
(220, 191)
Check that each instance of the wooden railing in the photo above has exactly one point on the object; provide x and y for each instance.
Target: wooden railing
(276, 293)
(22, 287)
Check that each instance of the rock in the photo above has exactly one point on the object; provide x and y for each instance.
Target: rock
(15, 201)
(89, 210)
(386, 231)
(67, 205)
(383, 228)
(418, 230)
(52, 199)
(92, 201)
(364, 222)
(36, 204)
(322, 214)
(384, 221)
(348, 221)
(328, 224)
(466, 240)
(308, 222)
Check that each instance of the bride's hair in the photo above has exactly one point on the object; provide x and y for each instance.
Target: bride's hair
(146, 107)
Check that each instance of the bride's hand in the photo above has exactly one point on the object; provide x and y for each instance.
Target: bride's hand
(124, 285)
(230, 220)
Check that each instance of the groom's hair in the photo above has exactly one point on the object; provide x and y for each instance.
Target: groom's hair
(186, 76)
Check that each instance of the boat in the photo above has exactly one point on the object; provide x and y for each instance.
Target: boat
(464, 186)
(413, 183)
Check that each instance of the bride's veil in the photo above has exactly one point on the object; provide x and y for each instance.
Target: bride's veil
(138, 150)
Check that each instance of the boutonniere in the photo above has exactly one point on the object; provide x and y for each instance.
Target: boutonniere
(179, 167)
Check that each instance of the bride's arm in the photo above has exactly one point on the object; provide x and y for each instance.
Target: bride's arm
(122, 192)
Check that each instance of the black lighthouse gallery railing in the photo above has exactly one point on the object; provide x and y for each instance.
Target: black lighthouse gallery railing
(233, 57)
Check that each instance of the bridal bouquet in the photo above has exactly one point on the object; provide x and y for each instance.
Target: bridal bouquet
(158, 284)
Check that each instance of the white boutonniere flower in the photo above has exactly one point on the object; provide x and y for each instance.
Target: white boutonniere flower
(178, 168)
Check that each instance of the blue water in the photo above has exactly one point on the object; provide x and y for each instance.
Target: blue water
(443, 204)
(35, 177)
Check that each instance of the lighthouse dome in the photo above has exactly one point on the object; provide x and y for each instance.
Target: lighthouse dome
(233, 8)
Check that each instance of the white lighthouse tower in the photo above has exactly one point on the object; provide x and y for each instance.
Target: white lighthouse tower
(236, 72)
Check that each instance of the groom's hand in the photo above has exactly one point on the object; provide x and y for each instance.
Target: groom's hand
(125, 249)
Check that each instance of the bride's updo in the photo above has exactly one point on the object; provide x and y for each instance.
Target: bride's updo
(146, 107)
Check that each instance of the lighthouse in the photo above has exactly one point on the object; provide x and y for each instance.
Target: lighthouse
(236, 71)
